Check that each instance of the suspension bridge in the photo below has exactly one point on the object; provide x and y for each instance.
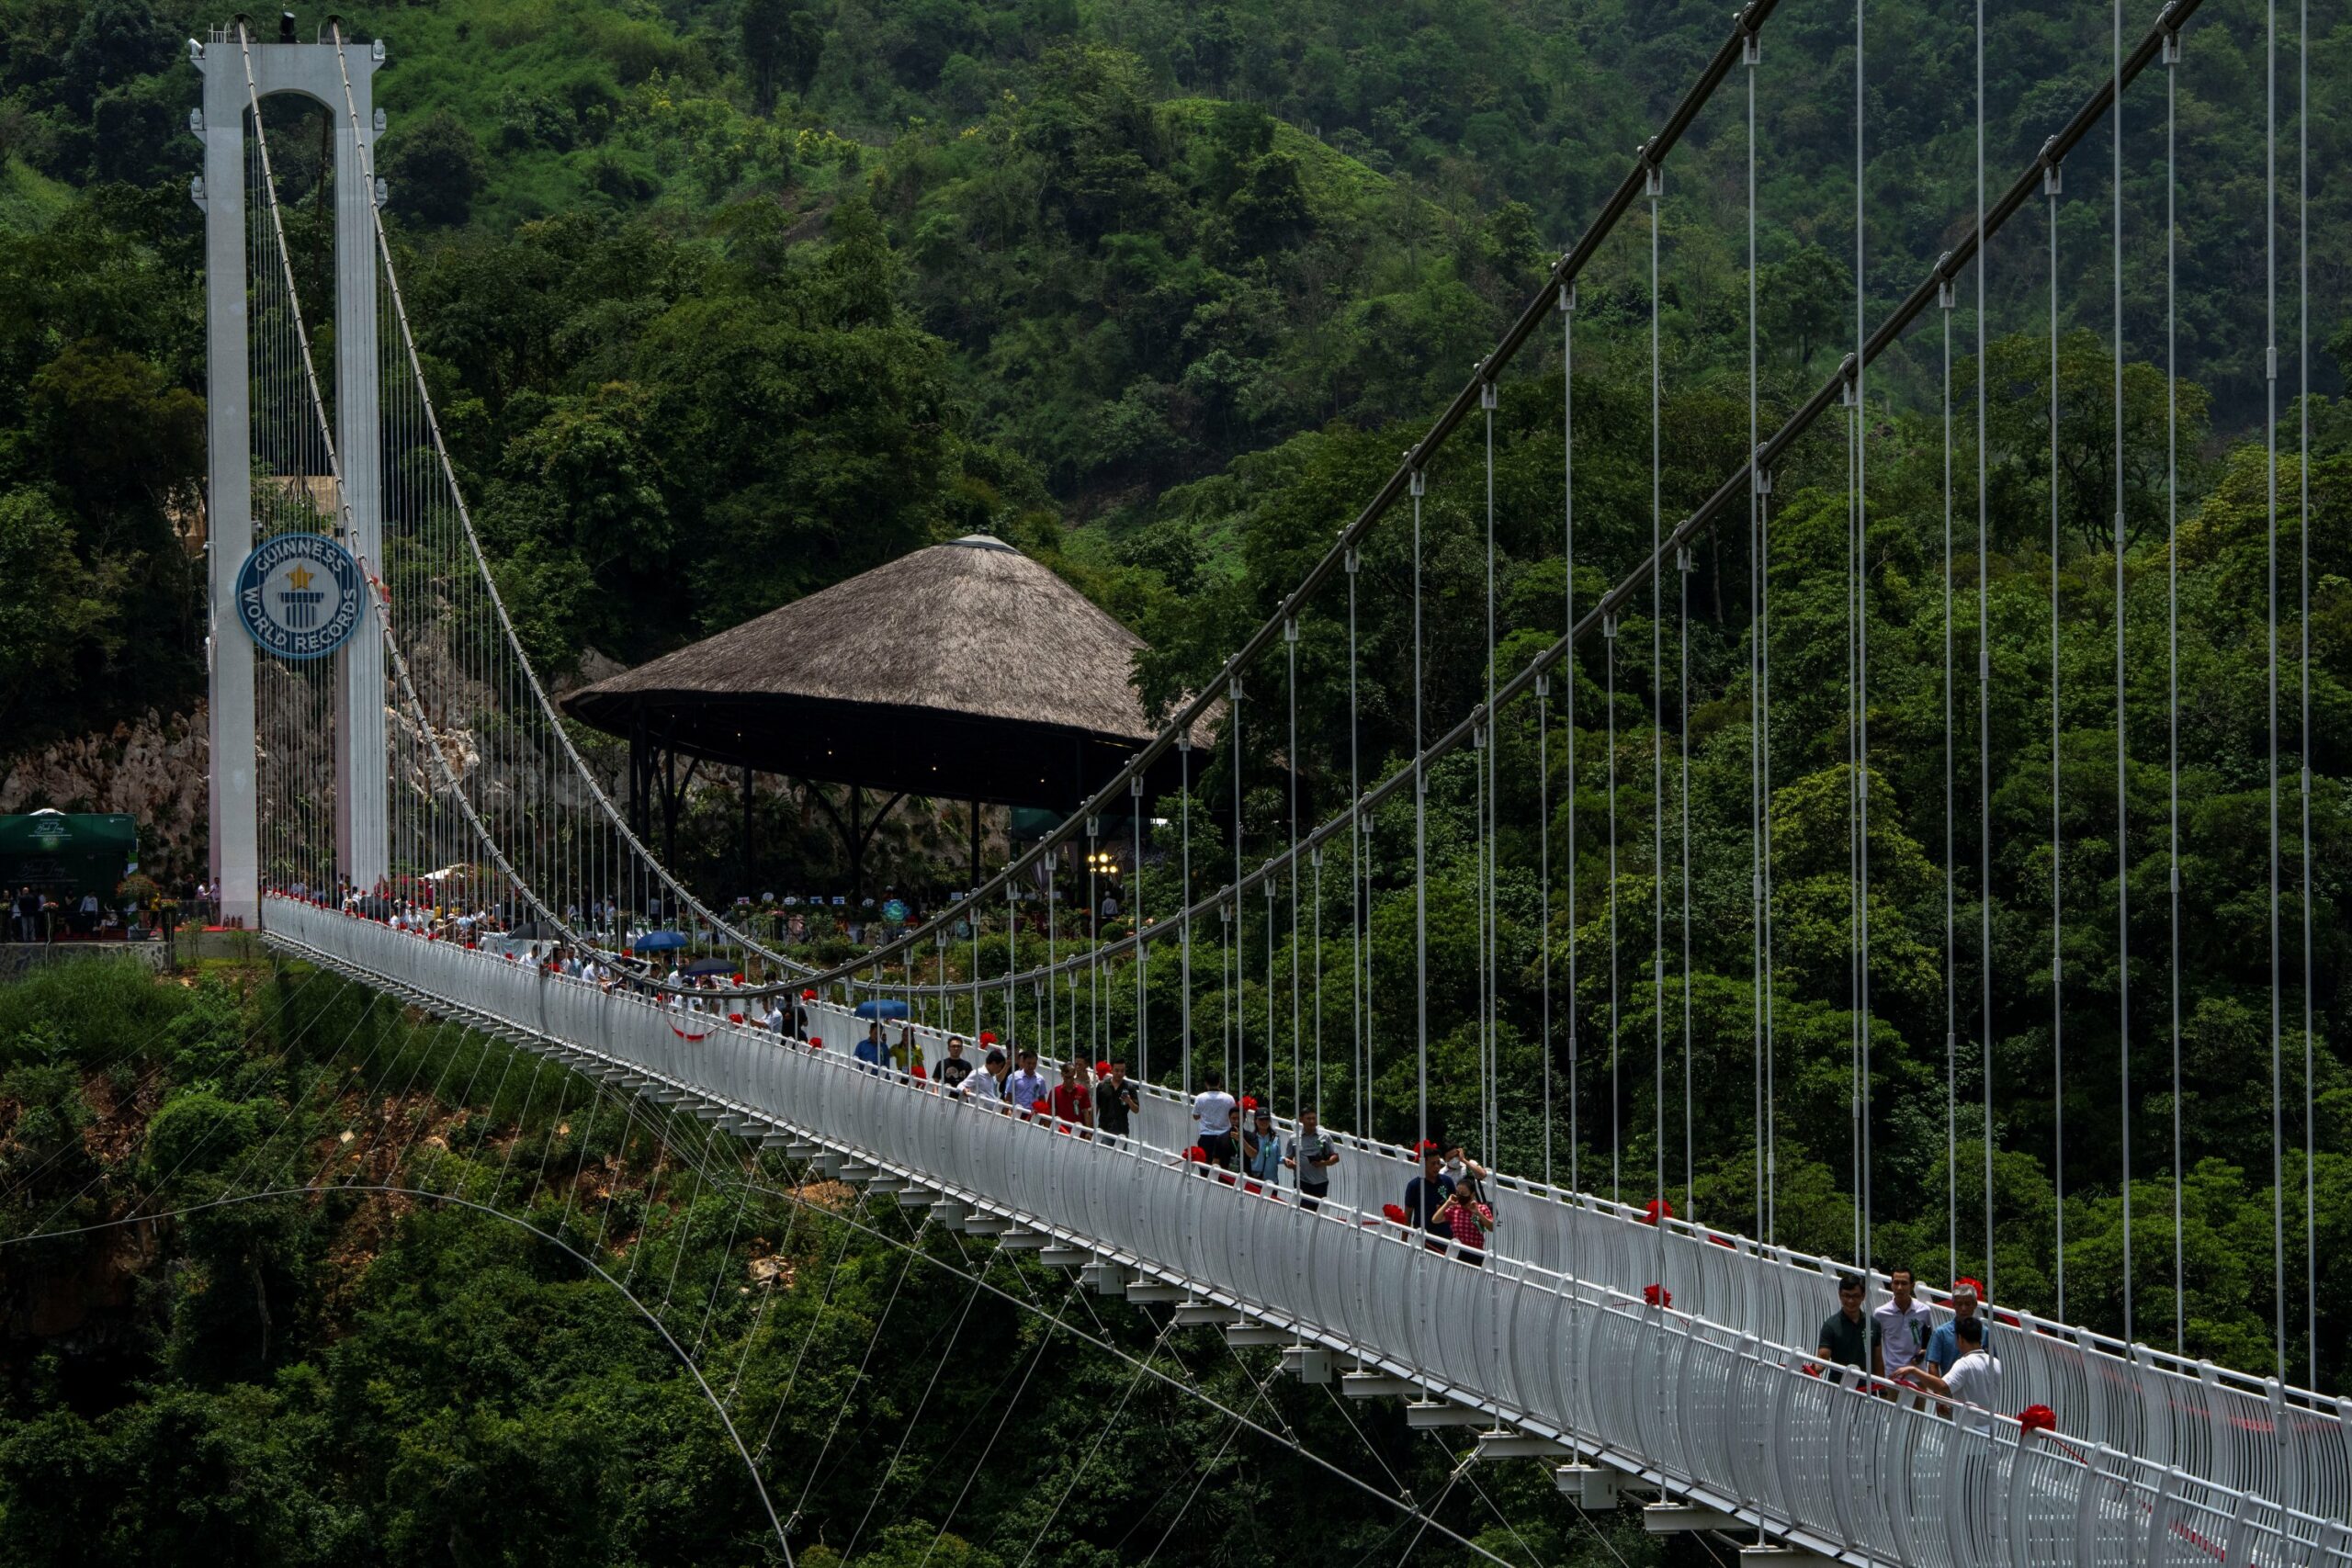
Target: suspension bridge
(379, 736)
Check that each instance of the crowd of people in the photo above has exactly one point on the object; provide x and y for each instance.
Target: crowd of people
(1899, 1345)
(51, 914)
(1898, 1348)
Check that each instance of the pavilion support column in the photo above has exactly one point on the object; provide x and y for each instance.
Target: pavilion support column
(856, 847)
(976, 844)
(746, 830)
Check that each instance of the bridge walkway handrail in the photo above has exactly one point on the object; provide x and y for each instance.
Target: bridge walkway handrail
(2244, 1433)
(1722, 1415)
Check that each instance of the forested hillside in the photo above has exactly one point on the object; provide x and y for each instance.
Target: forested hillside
(723, 302)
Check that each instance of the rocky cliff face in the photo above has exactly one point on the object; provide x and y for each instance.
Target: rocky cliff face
(152, 768)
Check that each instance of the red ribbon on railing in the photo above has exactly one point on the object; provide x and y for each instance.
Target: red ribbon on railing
(2038, 1418)
(1656, 1209)
(1658, 1295)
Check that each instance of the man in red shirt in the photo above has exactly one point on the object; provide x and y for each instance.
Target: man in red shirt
(1072, 1103)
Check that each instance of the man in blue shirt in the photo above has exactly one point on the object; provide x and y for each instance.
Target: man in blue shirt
(1028, 1086)
(1426, 1193)
(1944, 1348)
(872, 1051)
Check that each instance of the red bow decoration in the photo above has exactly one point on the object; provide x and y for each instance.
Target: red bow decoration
(1721, 1240)
(1037, 1105)
(2038, 1418)
(987, 1036)
(1397, 1213)
(734, 1018)
(1101, 1069)
(1427, 1147)
(814, 1044)
(919, 1074)
(1656, 1209)
(1976, 1285)
(809, 996)
(1248, 1102)
(1196, 1154)
(1658, 1295)
(1813, 1369)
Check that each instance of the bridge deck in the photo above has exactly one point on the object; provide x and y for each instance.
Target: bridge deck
(1722, 1415)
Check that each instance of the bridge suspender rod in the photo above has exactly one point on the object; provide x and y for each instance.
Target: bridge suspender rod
(1757, 565)
(1658, 722)
(2303, 622)
(2051, 186)
(1568, 302)
(2270, 484)
(1290, 640)
(1544, 891)
(2122, 807)
(1359, 1040)
(1184, 901)
(1702, 518)
(1616, 1173)
(1862, 667)
(1421, 849)
(1951, 947)
(1984, 680)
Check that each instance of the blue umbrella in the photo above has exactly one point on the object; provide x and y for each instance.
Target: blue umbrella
(660, 942)
(709, 966)
(883, 1009)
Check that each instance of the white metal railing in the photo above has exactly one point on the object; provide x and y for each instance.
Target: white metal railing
(1725, 1415)
(2243, 1433)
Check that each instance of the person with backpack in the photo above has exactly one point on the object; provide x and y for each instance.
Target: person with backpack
(1312, 1154)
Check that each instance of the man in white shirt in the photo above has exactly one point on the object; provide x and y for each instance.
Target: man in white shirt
(1902, 1325)
(988, 1085)
(1212, 1113)
(1974, 1379)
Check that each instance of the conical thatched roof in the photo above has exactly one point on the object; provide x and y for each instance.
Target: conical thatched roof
(965, 670)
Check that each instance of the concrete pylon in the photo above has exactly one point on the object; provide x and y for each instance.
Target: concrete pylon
(362, 765)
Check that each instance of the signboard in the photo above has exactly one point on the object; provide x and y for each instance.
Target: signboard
(67, 853)
(300, 596)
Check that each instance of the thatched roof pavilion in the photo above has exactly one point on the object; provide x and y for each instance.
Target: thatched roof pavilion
(963, 671)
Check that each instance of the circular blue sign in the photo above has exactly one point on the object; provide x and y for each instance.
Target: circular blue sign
(300, 596)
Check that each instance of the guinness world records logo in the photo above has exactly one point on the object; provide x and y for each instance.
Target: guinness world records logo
(300, 596)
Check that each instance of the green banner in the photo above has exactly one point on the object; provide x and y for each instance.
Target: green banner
(67, 852)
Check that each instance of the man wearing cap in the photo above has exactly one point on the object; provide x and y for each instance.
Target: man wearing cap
(1115, 1100)
(1312, 1154)
(1944, 1348)
(953, 1070)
